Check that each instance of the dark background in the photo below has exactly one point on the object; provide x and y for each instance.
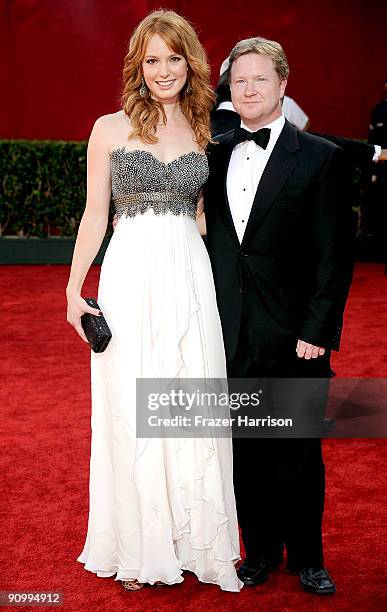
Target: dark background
(61, 60)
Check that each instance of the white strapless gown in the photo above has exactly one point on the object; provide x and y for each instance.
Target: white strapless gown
(158, 506)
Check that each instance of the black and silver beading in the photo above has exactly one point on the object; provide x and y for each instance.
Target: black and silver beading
(140, 182)
(161, 202)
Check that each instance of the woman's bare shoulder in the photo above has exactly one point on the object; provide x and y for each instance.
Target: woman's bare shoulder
(112, 128)
(112, 121)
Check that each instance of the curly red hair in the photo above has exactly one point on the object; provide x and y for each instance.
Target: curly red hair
(196, 98)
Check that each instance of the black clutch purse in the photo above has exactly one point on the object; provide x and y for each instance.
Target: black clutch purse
(96, 329)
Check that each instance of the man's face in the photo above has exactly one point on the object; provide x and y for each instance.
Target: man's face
(256, 89)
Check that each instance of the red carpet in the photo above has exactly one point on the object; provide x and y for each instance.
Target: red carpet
(46, 434)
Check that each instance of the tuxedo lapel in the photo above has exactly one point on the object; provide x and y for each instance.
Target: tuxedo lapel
(280, 165)
(222, 169)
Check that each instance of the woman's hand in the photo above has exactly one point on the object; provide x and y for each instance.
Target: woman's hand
(76, 307)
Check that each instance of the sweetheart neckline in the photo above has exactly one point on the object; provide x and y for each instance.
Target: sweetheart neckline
(124, 150)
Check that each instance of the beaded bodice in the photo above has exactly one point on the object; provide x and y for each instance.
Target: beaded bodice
(140, 181)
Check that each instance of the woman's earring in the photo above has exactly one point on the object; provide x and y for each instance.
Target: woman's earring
(143, 88)
(189, 89)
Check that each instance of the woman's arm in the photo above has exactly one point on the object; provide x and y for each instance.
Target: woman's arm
(93, 225)
(200, 215)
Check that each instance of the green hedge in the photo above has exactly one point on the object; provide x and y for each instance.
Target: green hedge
(43, 187)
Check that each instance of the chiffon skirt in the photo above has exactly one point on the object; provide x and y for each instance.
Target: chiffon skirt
(158, 506)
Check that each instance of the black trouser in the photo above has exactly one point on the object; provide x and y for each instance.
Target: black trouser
(279, 482)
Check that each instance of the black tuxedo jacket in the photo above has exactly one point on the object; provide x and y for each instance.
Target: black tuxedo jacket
(290, 276)
(224, 120)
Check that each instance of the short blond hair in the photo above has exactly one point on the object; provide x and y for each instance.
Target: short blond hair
(262, 46)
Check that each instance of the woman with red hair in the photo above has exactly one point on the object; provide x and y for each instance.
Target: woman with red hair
(158, 506)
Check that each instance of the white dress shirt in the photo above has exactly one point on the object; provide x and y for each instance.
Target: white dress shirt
(294, 113)
(226, 105)
(378, 150)
(247, 163)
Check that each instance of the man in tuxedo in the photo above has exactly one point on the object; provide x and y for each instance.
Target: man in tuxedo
(276, 235)
(377, 195)
(358, 153)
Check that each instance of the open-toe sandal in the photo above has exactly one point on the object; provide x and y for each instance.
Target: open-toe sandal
(132, 585)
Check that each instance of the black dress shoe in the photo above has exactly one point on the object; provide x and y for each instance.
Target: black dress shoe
(317, 581)
(252, 574)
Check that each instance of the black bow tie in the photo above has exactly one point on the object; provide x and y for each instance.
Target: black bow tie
(261, 137)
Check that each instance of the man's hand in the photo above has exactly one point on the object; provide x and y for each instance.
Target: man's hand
(308, 351)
